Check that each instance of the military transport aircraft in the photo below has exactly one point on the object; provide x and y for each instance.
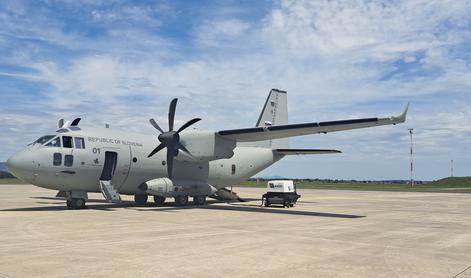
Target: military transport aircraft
(177, 163)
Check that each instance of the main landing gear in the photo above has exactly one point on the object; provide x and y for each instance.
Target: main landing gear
(199, 200)
(159, 200)
(183, 200)
(140, 199)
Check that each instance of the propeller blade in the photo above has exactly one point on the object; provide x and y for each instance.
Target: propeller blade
(154, 124)
(171, 113)
(170, 154)
(156, 150)
(188, 124)
(183, 148)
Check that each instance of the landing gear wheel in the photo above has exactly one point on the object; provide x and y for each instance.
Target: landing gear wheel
(181, 200)
(140, 199)
(199, 200)
(159, 200)
(76, 203)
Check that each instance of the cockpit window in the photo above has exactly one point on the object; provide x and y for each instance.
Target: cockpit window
(67, 142)
(79, 143)
(56, 142)
(43, 139)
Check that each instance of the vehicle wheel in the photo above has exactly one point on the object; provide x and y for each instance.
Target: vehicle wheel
(291, 205)
(267, 203)
(140, 199)
(199, 200)
(181, 200)
(76, 203)
(286, 204)
(79, 203)
(159, 200)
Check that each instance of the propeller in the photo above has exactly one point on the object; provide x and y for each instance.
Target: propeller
(171, 138)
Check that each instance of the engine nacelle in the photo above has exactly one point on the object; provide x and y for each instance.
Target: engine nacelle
(171, 188)
(205, 146)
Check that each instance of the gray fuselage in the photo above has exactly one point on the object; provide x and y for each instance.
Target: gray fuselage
(80, 167)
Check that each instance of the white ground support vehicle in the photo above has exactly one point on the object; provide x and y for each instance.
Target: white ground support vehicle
(280, 192)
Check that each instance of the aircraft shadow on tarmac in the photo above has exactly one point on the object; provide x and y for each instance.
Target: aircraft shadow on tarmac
(169, 207)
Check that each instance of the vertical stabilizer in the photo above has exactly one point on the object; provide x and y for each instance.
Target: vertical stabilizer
(274, 112)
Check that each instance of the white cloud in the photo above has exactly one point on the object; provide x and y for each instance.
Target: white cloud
(337, 59)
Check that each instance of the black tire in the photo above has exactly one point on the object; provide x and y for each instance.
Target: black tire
(79, 203)
(267, 203)
(140, 199)
(76, 203)
(159, 200)
(181, 200)
(199, 200)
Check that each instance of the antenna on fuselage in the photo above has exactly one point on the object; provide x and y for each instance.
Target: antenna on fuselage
(60, 123)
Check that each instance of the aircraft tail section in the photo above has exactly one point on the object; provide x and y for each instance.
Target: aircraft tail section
(274, 112)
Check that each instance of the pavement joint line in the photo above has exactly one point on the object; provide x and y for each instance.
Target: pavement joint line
(462, 272)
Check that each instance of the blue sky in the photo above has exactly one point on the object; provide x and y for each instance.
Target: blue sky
(120, 62)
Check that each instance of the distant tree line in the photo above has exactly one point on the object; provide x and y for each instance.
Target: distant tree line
(342, 181)
(6, 175)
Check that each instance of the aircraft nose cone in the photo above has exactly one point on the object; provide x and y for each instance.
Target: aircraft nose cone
(12, 163)
(19, 165)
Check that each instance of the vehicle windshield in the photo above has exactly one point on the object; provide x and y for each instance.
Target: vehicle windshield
(43, 139)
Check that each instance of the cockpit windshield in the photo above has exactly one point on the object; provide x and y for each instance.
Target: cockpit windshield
(43, 139)
(56, 142)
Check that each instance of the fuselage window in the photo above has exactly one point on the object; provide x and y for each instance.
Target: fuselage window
(57, 159)
(56, 142)
(67, 142)
(233, 169)
(68, 160)
(79, 143)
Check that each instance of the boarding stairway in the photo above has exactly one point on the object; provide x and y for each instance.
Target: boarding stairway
(109, 192)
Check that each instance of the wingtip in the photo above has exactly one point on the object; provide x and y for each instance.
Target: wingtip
(403, 116)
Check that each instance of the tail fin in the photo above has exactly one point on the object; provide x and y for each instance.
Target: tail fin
(274, 112)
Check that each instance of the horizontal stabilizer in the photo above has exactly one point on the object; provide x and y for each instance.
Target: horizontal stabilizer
(305, 151)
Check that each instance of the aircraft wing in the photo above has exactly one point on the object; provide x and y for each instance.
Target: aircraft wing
(282, 131)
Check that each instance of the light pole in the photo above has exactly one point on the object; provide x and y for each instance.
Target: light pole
(452, 168)
(411, 160)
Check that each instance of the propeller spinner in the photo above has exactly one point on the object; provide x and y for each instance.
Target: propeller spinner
(171, 138)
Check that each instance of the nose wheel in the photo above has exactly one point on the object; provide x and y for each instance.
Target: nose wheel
(76, 203)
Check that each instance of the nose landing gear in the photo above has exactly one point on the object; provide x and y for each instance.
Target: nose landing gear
(76, 199)
(76, 203)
